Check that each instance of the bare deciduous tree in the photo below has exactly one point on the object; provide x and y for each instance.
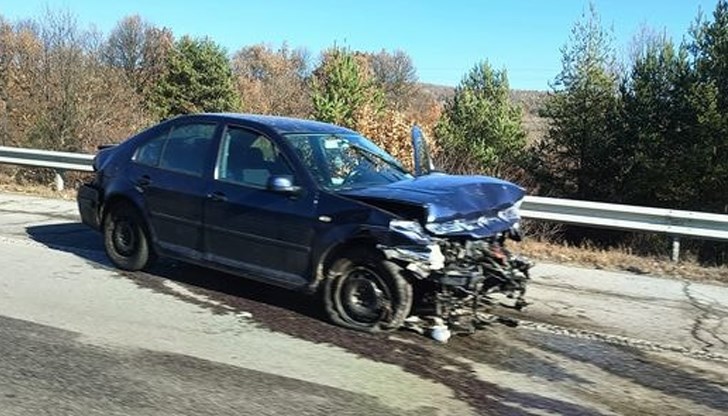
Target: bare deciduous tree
(273, 81)
(139, 49)
(56, 90)
(396, 75)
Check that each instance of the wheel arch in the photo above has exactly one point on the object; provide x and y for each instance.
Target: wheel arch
(337, 250)
(363, 237)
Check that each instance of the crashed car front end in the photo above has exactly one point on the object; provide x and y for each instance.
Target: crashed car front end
(461, 273)
(460, 263)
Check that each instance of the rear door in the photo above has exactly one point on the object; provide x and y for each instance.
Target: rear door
(252, 228)
(170, 171)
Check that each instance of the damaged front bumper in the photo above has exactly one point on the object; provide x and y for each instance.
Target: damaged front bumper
(473, 265)
(457, 279)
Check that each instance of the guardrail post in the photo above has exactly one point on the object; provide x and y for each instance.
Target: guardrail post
(58, 180)
(675, 249)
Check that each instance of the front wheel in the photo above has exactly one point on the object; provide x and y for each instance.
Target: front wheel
(366, 292)
(125, 239)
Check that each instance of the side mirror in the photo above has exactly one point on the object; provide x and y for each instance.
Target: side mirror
(283, 185)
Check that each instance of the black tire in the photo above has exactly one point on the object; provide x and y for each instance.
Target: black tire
(125, 238)
(366, 292)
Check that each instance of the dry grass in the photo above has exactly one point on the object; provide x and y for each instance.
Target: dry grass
(45, 191)
(621, 260)
(532, 102)
(9, 183)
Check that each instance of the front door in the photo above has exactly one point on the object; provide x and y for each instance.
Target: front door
(248, 226)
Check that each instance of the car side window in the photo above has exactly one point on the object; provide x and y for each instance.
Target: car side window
(249, 158)
(149, 153)
(186, 148)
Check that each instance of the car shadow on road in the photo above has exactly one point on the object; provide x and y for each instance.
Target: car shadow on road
(224, 288)
(71, 237)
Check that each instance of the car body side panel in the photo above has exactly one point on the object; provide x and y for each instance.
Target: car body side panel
(171, 202)
(342, 221)
(260, 227)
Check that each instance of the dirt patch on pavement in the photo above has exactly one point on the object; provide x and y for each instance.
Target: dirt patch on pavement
(302, 317)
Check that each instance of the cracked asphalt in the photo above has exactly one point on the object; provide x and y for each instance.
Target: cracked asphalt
(78, 337)
(708, 325)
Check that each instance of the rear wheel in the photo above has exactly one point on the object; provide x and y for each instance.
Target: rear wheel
(125, 238)
(364, 291)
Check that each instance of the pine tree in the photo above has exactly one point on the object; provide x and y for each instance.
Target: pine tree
(480, 129)
(659, 168)
(198, 78)
(342, 89)
(576, 159)
(710, 99)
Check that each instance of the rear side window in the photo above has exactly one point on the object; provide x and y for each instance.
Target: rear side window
(149, 153)
(184, 149)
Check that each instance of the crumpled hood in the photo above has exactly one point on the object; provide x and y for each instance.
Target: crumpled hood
(448, 198)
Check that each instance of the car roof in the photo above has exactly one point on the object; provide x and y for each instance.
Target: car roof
(284, 125)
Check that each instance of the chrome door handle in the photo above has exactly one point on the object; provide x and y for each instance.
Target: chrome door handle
(217, 197)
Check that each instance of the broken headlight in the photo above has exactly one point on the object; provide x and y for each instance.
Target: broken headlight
(410, 229)
(510, 214)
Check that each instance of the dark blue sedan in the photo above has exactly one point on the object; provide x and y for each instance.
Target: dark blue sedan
(308, 206)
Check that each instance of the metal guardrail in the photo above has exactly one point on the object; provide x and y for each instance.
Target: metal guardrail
(60, 162)
(675, 223)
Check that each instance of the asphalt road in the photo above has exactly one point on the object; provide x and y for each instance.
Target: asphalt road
(79, 338)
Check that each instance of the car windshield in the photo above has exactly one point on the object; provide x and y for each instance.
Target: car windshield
(346, 161)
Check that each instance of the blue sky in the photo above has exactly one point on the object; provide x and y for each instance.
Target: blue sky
(445, 38)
